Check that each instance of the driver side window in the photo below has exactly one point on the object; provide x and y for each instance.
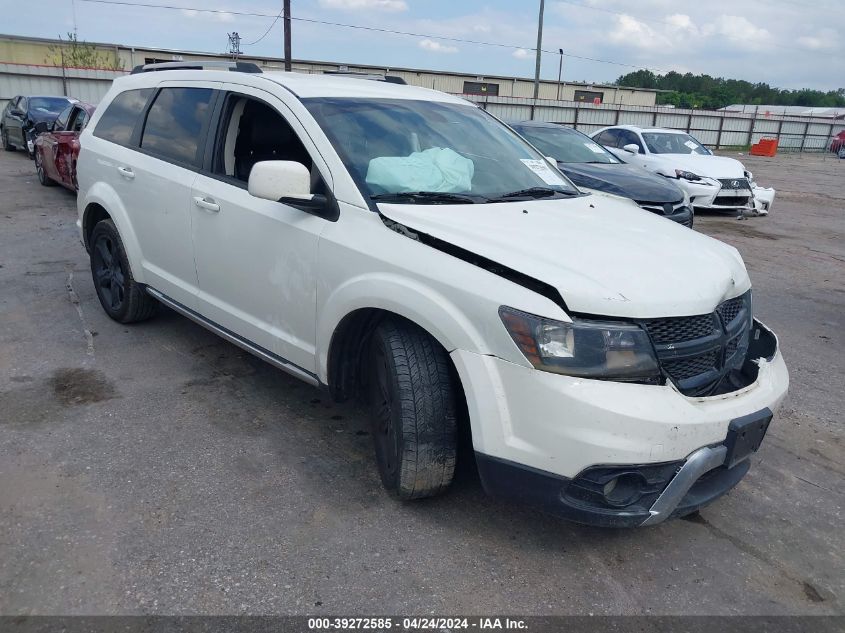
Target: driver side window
(252, 131)
(62, 120)
(626, 137)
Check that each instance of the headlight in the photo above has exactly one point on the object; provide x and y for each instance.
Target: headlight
(588, 349)
(686, 175)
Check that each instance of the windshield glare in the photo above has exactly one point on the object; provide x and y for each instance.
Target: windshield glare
(394, 146)
(48, 105)
(665, 143)
(566, 146)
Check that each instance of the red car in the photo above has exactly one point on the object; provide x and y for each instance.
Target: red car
(838, 142)
(57, 146)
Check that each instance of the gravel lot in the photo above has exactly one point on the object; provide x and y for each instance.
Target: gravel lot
(158, 469)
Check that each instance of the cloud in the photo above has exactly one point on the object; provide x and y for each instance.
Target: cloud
(219, 17)
(522, 53)
(826, 40)
(682, 22)
(740, 31)
(437, 47)
(388, 6)
(632, 32)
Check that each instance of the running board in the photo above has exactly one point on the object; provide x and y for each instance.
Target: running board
(219, 330)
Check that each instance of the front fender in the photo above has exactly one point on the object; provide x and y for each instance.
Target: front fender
(104, 195)
(408, 298)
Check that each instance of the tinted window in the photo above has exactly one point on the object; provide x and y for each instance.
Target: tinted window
(669, 143)
(48, 105)
(175, 121)
(607, 138)
(121, 115)
(80, 120)
(61, 120)
(626, 137)
(566, 146)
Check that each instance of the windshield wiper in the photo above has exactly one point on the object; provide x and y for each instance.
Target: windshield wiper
(427, 197)
(534, 192)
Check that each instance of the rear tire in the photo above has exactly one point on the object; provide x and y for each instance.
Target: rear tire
(413, 400)
(43, 178)
(4, 139)
(123, 299)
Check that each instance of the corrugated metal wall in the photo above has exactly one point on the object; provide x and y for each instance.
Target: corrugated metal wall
(713, 128)
(26, 79)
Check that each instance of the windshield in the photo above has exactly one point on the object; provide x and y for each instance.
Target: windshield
(566, 146)
(667, 143)
(450, 153)
(48, 105)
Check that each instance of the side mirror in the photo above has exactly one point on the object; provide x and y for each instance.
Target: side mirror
(632, 148)
(42, 127)
(277, 179)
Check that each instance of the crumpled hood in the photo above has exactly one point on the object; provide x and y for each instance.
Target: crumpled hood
(707, 166)
(628, 181)
(604, 256)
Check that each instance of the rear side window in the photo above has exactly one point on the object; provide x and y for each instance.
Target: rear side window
(121, 115)
(175, 123)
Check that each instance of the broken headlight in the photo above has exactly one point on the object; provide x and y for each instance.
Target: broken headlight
(604, 350)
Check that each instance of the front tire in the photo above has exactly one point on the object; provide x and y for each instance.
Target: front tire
(43, 178)
(123, 299)
(413, 401)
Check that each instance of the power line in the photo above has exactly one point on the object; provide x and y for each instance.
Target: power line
(368, 28)
(270, 28)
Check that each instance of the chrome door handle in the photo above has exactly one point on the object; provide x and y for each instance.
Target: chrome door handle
(205, 203)
(126, 172)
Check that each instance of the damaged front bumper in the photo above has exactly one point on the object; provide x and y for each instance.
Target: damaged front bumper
(618, 454)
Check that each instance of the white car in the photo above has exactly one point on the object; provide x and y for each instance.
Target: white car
(403, 246)
(712, 182)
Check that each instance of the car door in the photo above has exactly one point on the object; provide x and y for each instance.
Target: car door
(158, 178)
(67, 146)
(51, 141)
(256, 259)
(14, 122)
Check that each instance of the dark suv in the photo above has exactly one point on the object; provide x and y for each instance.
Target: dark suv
(20, 116)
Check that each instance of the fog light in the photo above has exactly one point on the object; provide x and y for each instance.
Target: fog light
(624, 489)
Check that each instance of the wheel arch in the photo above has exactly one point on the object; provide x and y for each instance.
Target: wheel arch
(102, 202)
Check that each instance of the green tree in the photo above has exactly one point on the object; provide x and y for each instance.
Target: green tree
(73, 53)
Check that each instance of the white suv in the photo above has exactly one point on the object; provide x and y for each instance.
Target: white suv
(403, 246)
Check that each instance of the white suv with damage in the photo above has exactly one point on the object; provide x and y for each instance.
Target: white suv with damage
(716, 183)
(403, 246)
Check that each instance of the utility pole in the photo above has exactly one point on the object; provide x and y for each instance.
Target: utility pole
(559, 73)
(539, 51)
(286, 11)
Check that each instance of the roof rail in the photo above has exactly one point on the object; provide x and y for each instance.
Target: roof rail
(239, 67)
(391, 79)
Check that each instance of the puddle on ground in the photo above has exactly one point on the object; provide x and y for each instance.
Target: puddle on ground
(77, 385)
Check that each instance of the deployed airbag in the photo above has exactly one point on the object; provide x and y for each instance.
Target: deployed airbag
(436, 169)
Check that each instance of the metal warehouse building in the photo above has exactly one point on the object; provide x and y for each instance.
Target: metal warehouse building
(33, 66)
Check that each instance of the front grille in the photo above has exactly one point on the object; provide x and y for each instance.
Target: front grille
(729, 309)
(690, 367)
(731, 201)
(697, 352)
(680, 329)
(735, 183)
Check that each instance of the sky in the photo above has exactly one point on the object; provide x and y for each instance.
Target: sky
(785, 43)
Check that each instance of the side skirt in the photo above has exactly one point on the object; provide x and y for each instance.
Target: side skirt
(219, 330)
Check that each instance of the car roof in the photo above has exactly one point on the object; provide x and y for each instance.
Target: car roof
(637, 128)
(303, 85)
(544, 124)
